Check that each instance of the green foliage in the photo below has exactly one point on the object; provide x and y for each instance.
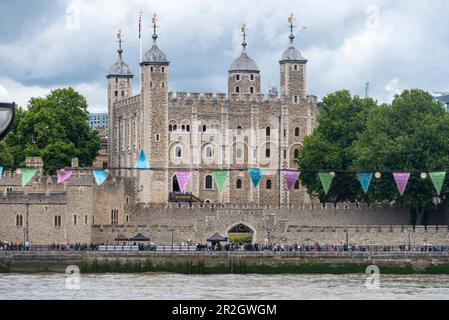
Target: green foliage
(358, 135)
(54, 128)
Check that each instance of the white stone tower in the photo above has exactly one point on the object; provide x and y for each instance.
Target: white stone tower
(154, 101)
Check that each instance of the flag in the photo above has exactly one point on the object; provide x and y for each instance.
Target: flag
(326, 181)
(438, 180)
(365, 180)
(140, 25)
(142, 162)
(100, 176)
(401, 179)
(220, 178)
(27, 175)
(64, 175)
(256, 176)
(183, 178)
(290, 178)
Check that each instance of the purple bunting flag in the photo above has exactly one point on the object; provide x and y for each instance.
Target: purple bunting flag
(401, 179)
(183, 178)
(290, 178)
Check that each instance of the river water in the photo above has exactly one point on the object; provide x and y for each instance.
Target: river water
(234, 287)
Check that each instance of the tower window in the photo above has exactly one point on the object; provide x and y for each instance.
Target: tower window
(158, 137)
(116, 93)
(268, 131)
(238, 184)
(74, 220)
(151, 69)
(188, 128)
(237, 89)
(251, 90)
(19, 220)
(296, 154)
(295, 99)
(296, 67)
(285, 154)
(57, 221)
(269, 184)
(204, 128)
(252, 77)
(123, 93)
(209, 152)
(175, 127)
(170, 128)
(183, 128)
(163, 84)
(297, 185)
(268, 153)
(209, 183)
(239, 153)
(237, 77)
(178, 152)
(163, 70)
(297, 132)
(151, 84)
(239, 130)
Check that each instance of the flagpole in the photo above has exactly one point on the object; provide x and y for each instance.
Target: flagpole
(140, 35)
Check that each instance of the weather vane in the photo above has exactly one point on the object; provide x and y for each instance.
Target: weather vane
(244, 29)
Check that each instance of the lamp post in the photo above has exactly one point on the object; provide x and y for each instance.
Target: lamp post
(7, 114)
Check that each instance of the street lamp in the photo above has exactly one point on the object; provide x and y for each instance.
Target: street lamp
(7, 114)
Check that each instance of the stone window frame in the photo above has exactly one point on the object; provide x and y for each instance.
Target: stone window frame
(251, 90)
(178, 152)
(239, 131)
(251, 77)
(237, 77)
(237, 89)
(239, 153)
(268, 153)
(297, 132)
(86, 220)
(268, 132)
(239, 184)
(297, 185)
(157, 137)
(296, 154)
(207, 155)
(75, 220)
(296, 99)
(269, 184)
(206, 182)
(57, 221)
(19, 220)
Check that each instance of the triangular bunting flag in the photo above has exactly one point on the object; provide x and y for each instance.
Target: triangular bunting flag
(290, 178)
(365, 180)
(438, 180)
(256, 176)
(401, 179)
(64, 175)
(27, 175)
(1, 172)
(183, 178)
(220, 178)
(326, 181)
(142, 162)
(100, 176)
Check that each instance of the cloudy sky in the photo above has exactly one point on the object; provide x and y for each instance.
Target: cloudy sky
(393, 44)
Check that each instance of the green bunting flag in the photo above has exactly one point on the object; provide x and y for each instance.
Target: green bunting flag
(326, 181)
(27, 175)
(438, 180)
(220, 178)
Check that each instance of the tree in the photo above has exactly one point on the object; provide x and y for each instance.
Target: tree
(54, 128)
(410, 135)
(341, 119)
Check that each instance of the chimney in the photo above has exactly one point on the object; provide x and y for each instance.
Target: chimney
(75, 163)
(35, 162)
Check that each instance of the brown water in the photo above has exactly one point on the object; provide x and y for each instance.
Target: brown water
(168, 287)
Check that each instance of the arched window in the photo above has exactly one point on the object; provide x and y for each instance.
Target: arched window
(178, 152)
(163, 84)
(297, 132)
(163, 70)
(295, 99)
(237, 89)
(209, 152)
(170, 128)
(123, 93)
(239, 130)
(116, 93)
(267, 153)
(297, 185)
(269, 184)
(183, 128)
(251, 90)
(239, 153)
(204, 128)
(268, 131)
(296, 154)
(152, 69)
(208, 183)
(175, 127)
(252, 77)
(238, 184)
(237, 77)
(296, 67)
(188, 128)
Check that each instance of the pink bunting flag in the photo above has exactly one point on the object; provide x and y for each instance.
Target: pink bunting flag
(401, 181)
(290, 178)
(64, 175)
(183, 178)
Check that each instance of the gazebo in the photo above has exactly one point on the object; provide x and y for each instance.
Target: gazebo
(121, 238)
(140, 238)
(217, 238)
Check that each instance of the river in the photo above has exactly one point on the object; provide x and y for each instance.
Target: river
(235, 287)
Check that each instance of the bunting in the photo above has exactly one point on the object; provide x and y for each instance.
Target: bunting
(100, 176)
(290, 178)
(326, 181)
(27, 175)
(183, 178)
(64, 175)
(401, 179)
(365, 180)
(256, 176)
(142, 162)
(438, 180)
(220, 178)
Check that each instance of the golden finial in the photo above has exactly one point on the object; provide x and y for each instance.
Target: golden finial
(119, 34)
(154, 20)
(291, 17)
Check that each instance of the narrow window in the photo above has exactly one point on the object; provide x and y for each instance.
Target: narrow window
(237, 77)
(297, 132)
(170, 128)
(269, 184)
(239, 153)
(238, 184)
(163, 84)
(163, 70)
(251, 90)
(209, 152)
(116, 80)
(204, 128)
(208, 183)
(296, 67)
(74, 220)
(158, 137)
(285, 154)
(183, 128)
(175, 127)
(296, 154)
(295, 99)
(268, 132)
(252, 77)
(239, 130)
(152, 69)
(267, 153)
(178, 152)
(237, 89)
(123, 93)
(116, 93)
(188, 128)
(297, 185)
(86, 220)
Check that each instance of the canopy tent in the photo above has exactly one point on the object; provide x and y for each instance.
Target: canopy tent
(121, 238)
(217, 238)
(140, 238)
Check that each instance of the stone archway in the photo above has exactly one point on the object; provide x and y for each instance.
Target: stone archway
(241, 234)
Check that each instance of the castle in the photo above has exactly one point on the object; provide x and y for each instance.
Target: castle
(206, 132)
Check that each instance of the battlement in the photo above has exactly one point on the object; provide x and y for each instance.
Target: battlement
(127, 101)
(184, 97)
(33, 198)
